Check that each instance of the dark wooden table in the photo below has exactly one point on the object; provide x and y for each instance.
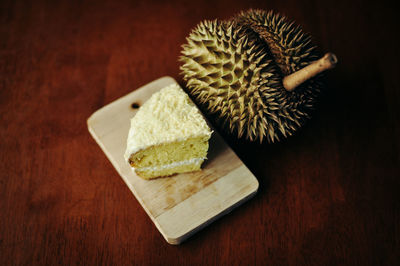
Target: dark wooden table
(328, 196)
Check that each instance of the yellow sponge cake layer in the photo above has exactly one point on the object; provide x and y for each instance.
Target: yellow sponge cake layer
(170, 152)
(168, 135)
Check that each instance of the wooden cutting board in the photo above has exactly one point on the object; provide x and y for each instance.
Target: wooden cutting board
(182, 204)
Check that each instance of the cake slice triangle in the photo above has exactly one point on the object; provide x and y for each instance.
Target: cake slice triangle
(168, 135)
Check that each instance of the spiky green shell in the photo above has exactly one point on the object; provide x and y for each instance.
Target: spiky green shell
(291, 48)
(230, 76)
(231, 72)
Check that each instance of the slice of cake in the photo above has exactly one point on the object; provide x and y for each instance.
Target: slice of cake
(168, 135)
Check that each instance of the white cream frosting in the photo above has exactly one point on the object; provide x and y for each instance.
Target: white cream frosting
(168, 116)
(171, 165)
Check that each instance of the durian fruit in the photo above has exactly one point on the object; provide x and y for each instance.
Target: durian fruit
(235, 69)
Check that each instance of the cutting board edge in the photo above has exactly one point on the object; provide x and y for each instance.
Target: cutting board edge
(181, 239)
(239, 194)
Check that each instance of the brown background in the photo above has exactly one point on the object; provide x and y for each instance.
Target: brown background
(328, 195)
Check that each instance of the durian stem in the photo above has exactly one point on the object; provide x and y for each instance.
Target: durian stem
(293, 80)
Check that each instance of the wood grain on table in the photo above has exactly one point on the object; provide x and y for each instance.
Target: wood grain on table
(328, 195)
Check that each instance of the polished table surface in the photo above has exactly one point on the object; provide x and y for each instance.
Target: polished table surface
(328, 195)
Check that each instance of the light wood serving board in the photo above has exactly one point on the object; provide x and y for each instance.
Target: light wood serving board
(182, 204)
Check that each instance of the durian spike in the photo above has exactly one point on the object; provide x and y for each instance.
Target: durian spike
(328, 61)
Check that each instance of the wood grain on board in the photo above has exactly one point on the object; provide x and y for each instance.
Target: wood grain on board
(181, 204)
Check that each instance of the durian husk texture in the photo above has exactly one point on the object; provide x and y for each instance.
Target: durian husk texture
(234, 71)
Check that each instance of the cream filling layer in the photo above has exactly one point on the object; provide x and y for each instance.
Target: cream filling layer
(171, 165)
